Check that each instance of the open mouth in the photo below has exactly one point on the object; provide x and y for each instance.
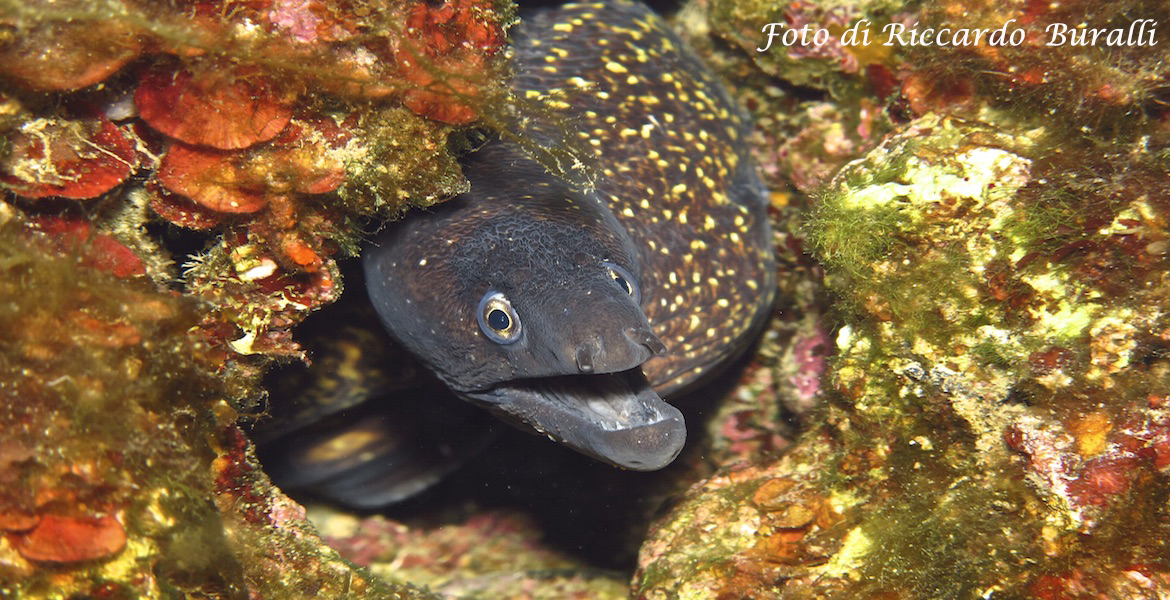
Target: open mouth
(617, 418)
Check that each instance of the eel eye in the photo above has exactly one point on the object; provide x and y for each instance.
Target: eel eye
(498, 319)
(624, 280)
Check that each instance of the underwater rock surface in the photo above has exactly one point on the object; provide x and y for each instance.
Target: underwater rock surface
(998, 424)
(124, 474)
(1000, 421)
(990, 222)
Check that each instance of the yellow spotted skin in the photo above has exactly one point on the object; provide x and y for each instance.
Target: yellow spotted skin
(674, 165)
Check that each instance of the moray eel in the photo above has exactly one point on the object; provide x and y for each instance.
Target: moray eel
(572, 309)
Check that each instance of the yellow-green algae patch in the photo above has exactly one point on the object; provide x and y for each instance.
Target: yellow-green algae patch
(999, 424)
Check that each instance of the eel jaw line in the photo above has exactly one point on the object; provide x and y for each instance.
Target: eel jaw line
(616, 418)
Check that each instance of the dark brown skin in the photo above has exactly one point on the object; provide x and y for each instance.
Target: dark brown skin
(569, 309)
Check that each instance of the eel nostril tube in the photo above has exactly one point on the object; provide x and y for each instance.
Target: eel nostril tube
(586, 353)
(646, 338)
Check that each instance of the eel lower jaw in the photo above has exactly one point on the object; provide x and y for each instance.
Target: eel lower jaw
(616, 418)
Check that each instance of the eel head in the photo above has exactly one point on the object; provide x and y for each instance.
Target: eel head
(523, 296)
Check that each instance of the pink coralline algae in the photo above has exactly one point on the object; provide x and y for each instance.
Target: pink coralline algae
(297, 18)
(811, 358)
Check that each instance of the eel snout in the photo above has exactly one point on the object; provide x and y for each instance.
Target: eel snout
(638, 346)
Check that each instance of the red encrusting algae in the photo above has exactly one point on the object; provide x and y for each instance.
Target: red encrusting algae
(227, 109)
(65, 539)
(76, 159)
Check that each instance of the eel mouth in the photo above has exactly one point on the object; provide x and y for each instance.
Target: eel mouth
(616, 418)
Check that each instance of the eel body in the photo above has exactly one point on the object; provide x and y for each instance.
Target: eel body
(572, 309)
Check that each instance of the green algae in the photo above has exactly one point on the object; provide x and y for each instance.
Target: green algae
(1097, 92)
(740, 22)
(878, 228)
(948, 321)
(81, 400)
(959, 544)
(1001, 288)
(398, 161)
